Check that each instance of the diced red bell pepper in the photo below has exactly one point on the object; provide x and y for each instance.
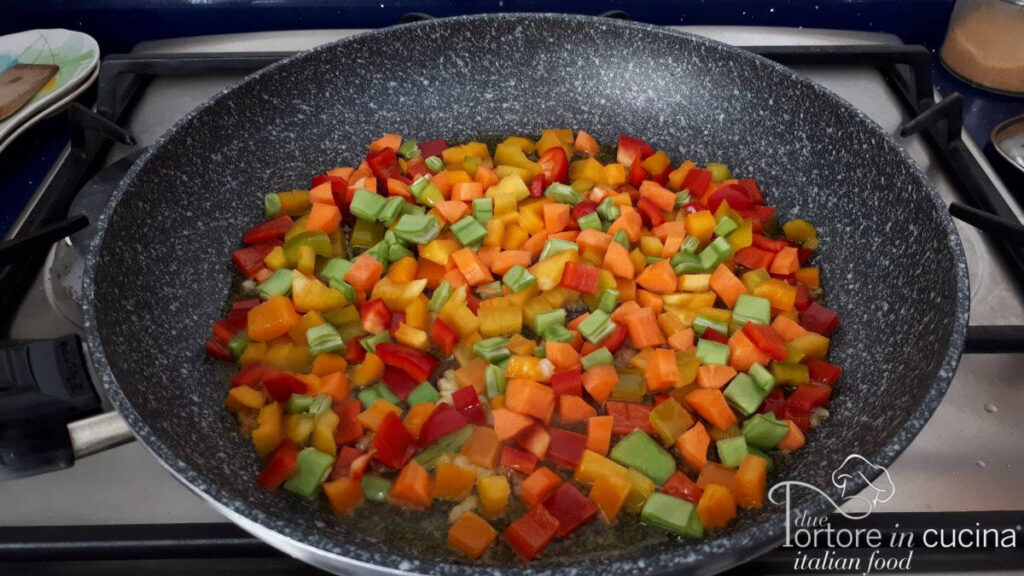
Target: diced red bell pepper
(766, 339)
(531, 532)
(583, 208)
(392, 441)
(239, 315)
(714, 336)
(223, 330)
(631, 149)
(570, 507)
(734, 195)
(251, 375)
(419, 365)
(753, 258)
(765, 243)
(775, 403)
(432, 148)
(343, 463)
(444, 336)
(823, 372)
(693, 207)
(663, 177)
(680, 486)
(569, 382)
(803, 255)
(555, 164)
(339, 189)
(279, 465)
(467, 402)
(566, 447)
(696, 181)
(442, 421)
(281, 385)
(349, 429)
(383, 164)
(219, 349)
(272, 229)
(375, 315)
(613, 341)
(417, 167)
(535, 440)
(518, 460)
(807, 397)
(628, 416)
(803, 297)
(399, 382)
(397, 319)
(537, 186)
(357, 469)
(580, 277)
(817, 318)
(650, 213)
(753, 191)
(632, 191)
(637, 174)
(250, 259)
(472, 302)
(354, 351)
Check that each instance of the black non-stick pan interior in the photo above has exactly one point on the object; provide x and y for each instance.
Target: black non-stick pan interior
(892, 265)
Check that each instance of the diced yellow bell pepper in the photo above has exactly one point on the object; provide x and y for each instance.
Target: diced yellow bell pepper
(651, 246)
(530, 221)
(512, 155)
(498, 321)
(311, 294)
(505, 203)
(438, 251)
(688, 365)
(528, 367)
(342, 316)
(323, 432)
(284, 354)
(458, 154)
(398, 296)
(742, 236)
(268, 434)
(670, 323)
(337, 243)
(298, 427)
(521, 298)
(412, 337)
(294, 202)
(243, 397)
(513, 184)
(695, 282)
(614, 175)
(367, 372)
(521, 345)
(493, 492)
(253, 353)
(781, 295)
(560, 296)
(508, 218)
(463, 352)
(641, 488)
(810, 345)
(276, 258)
(720, 315)
(588, 169)
(676, 177)
(801, 232)
(533, 307)
(515, 237)
(592, 466)
(495, 232)
(551, 138)
(701, 224)
(307, 321)
(753, 278)
(506, 170)
(656, 163)
(690, 300)
(417, 315)
(524, 144)
(725, 210)
(305, 259)
(549, 272)
(638, 258)
(456, 314)
(298, 227)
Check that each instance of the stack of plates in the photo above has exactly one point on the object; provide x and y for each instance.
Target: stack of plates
(75, 53)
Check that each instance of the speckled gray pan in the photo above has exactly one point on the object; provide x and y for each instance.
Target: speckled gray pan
(892, 264)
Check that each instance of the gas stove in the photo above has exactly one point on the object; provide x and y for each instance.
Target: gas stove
(120, 508)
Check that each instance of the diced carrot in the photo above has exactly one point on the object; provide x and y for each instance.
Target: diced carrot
(616, 261)
(715, 473)
(726, 285)
(539, 485)
(451, 210)
(626, 288)
(483, 447)
(643, 328)
(786, 262)
(530, 398)
(403, 271)
(411, 489)
(670, 228)
(714, 375)
(344, 494)
(661, 197)
(373, 416)
(471, 267)
(650, 300)
(487, 254)
(788, 328)
(472, 535)
(625, 309)
(486, 177)
(364, 273)
(710, 403)
(693, 445)
(809, 276)
(417, 416)
(335, 385)
(594, 239)
(630, 222)
(455, 277)
(271, 319)
(743, 353)
(671, 246)
(509, 424)
(325, 364)
(585, 143)
(393, 141)
(609, 493)
(574, 324)
(562, 355)
(341, 172)
(682, 340)
(472, 374)
(662, 370)
(794, 439)
(599, 381)
(467, 191)
(445, 180)
(431, 271)
(659, 278)
(535, 244)
(506, 259)
(599, 434)
(716, 507)
(574, 409)
(748, 484)
(556, 217)
(452, 482)
(321, 194)
(398, 188)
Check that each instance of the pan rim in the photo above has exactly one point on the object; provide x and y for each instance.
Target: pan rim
(741, 546)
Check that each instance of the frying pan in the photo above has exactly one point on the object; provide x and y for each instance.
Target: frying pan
(159, 271)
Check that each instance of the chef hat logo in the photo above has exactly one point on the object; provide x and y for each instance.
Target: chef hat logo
(855, 467)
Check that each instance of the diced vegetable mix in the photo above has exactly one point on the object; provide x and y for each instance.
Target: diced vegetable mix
(447, 322)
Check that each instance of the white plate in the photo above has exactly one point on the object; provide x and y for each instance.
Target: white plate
(50, 110)
(75, 53)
